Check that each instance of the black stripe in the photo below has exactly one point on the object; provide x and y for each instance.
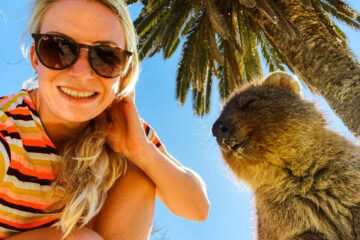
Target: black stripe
(28, 229)
(19, 116)
(158, 144)
(44, 150)
(15, 135)
(26, 209)
(26, 178)
(6, 146)
(33, 111)
(147, 130)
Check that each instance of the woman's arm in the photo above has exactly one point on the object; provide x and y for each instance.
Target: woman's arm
(129, 208)
(181, 189)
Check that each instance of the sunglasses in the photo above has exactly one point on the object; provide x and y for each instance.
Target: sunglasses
(58, 52)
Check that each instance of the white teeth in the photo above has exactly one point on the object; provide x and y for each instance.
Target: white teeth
(76, 94)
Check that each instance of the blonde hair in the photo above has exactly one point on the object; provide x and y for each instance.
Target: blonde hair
(89, 167)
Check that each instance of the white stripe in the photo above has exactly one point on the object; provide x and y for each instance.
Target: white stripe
(44, 156)
(23, 213)
(5, 156)
(25, 185)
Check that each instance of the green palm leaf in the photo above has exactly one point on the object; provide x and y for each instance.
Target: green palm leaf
(341, 16)
(221, 39)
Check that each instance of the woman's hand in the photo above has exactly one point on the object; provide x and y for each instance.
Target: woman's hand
(126, 133)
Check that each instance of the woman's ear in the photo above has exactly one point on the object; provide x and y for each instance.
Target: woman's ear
(33, 58)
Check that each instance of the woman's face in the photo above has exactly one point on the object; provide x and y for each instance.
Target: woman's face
(87, 22)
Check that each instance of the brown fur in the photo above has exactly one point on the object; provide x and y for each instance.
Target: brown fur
(305, 177)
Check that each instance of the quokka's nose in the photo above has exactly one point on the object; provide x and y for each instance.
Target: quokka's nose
(220, 129)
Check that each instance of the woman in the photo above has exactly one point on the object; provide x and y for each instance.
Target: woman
(74, 152)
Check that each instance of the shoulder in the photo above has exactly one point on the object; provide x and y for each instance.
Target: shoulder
(13, 101)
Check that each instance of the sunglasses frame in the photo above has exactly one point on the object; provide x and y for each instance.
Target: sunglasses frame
(37, 37)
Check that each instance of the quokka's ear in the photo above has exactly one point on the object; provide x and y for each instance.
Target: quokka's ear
(282, 79)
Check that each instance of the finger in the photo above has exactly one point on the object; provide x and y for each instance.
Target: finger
(124, 111)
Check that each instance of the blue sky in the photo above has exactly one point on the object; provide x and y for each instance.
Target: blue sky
(187, 137)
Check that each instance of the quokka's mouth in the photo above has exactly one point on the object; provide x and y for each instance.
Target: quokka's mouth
(240, 144)
(233, 144)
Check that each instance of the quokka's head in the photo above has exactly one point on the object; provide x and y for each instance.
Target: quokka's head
(264, 118)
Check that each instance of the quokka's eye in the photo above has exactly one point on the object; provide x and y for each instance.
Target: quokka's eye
(248, 102)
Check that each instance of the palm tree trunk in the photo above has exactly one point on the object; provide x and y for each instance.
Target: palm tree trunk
(317, 57)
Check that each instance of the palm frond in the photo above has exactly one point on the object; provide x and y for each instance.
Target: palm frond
(149, 20)
(231, 68)
(179, 12)
(222, 75)
(208, 91)
(328, 23)
(249, 44)
(217, 20)
(129, 2)
(354, 23)
(272, 11)
(270, 55)
(213, 46)
(198, 100)
(148, 44)
(186, 63)
(222, 39)
(150, 5)
(344, 8)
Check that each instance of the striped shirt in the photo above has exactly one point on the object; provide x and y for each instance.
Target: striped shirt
(27, 167)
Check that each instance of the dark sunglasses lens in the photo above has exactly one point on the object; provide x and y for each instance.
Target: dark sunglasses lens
(56, 52)
(107, 61)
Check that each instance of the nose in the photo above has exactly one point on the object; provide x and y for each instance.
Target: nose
(220, 129)
(81, 68)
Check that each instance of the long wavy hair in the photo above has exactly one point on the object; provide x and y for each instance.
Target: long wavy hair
(89, 167)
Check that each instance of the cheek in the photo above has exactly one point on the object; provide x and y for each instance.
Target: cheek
(111, 86)
(46, 77)
(111, 90)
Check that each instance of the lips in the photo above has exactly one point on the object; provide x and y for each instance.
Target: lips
(232, 144)
(241, 144)
(77, 94)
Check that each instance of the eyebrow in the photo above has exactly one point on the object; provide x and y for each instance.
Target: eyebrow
(97, 42)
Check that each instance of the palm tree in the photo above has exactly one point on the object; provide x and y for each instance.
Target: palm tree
(224, 38)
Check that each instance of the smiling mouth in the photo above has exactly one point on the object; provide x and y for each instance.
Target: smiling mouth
(77, 94)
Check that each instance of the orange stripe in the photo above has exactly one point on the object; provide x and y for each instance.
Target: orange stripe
(20, 111)
(33, 142)
(24, 170)
(48, 141)
(144, 125)
(28, 225)
(156, 140)
(30, 103)
(2, 127)
(9, 129)
(22, 203)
